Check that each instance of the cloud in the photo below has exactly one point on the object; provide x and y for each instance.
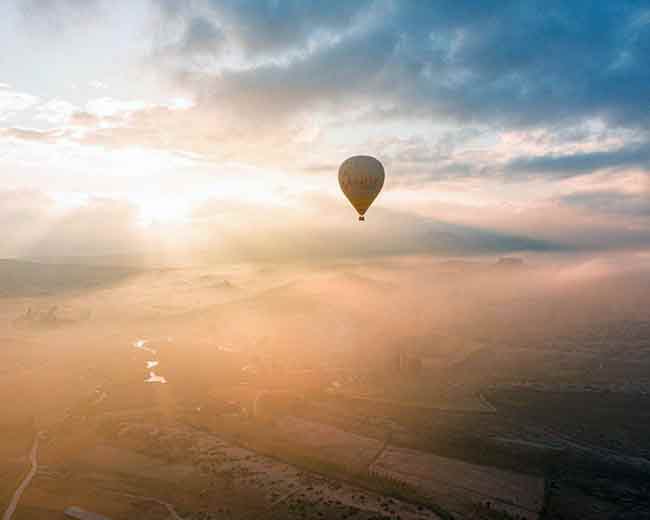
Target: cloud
(97, 84)
(507, 64)
(23, 217)
(312, 228)
(55, 111)
(327, 229)
(267, 29)
(381, 66)
(37, 224)
(31, 134)
(12, 102)
(612, 203)
(564, 166)
(526, 66)
(83, 118)
(98, 227)
(57, 14)
(258, 71)
(458, 99)
(199, 37)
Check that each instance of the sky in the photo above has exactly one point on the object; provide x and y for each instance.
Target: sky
(215, 128)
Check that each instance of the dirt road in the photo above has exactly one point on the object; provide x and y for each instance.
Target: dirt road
(33, 454)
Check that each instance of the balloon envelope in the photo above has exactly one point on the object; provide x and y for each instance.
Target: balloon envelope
(361, 178)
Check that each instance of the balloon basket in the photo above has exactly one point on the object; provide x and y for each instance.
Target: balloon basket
(362, 218)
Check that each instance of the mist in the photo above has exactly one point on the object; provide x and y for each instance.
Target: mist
(195, 323)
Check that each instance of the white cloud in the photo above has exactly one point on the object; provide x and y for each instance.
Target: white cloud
(107, 106)
(55, 111)
(98, 84)
(12, 102)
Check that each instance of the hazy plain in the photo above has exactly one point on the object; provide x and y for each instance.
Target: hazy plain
(303, 390)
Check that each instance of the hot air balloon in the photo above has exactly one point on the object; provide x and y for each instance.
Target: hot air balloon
(361, 178)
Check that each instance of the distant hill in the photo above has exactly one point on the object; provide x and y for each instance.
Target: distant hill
(510, 261)
(109, 260)
(20, 278)
(215, 282)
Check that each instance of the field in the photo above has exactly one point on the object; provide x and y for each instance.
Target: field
(455, 484)
(286, 396)
(329, 442)
(132, 465)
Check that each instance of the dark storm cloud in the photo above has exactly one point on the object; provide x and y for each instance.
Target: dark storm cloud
(513, 63)
(565, 166)
(611, 203)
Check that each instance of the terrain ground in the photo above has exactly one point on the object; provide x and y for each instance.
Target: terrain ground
(287, 397)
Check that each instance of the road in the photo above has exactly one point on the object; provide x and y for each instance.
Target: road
(11, 509)
(380, 452)
(33, 458)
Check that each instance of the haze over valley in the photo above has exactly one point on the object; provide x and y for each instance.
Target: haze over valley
(324, 260)
(454, 387)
